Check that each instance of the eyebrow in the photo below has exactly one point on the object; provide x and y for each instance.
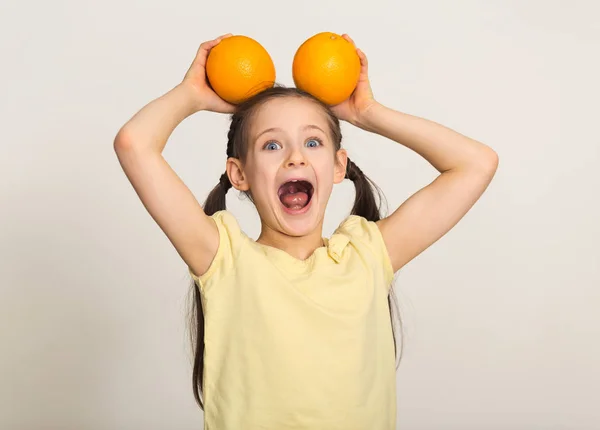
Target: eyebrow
(306, 127)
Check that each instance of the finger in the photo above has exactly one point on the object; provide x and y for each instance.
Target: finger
(362, 56)
(209, 44)
(205, 48)
(364, 66)
(224, 36)
(225, 107)
(349, 39)
(212, 43)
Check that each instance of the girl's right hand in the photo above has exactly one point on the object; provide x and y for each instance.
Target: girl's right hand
(197, 81)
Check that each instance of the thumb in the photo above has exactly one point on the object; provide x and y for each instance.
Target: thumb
(223, 107)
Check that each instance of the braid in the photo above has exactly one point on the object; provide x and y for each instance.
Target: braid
(225, 182)
(232, 134)
(353, 172)
(216, 200)
(365, 203)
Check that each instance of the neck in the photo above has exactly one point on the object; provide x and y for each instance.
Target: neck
(300, 247)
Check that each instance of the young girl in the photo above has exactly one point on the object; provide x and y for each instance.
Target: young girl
(294, 329)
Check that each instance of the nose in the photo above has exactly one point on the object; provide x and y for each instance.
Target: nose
(296, 159)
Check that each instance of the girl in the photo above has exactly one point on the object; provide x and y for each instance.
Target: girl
(293, 329)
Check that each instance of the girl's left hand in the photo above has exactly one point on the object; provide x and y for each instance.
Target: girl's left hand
(361, 100)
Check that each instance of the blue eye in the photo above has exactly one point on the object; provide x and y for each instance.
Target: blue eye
(313, 143)
(271, 146)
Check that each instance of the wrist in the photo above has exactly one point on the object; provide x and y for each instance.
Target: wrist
(190, 97)
(367, 119)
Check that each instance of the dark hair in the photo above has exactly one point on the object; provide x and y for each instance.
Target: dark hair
(366, 204)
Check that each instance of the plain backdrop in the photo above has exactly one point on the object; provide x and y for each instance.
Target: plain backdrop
(501, 316)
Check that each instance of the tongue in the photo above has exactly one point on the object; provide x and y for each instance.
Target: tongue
(295, 200)
(294, 197)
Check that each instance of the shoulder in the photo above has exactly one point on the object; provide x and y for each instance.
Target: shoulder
(365, 238)
(231, 239)
(359, 229)
(227, 222)
(231, 235)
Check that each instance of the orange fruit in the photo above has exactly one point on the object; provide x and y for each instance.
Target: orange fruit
(238, 68)
(326, 66)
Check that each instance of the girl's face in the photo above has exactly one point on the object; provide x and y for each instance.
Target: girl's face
(291, 165)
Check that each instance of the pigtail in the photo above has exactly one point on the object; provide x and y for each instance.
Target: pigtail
(367, 205)
(216, 200)
(368, 196)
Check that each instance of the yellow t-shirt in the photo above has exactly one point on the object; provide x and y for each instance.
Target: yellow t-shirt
(299, 344)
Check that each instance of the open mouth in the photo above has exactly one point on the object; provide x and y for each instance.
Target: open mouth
(296, 194)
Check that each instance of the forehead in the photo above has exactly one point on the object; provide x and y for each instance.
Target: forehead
(288, 113)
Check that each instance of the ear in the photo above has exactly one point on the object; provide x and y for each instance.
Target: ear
(236, 174)
(341, 160)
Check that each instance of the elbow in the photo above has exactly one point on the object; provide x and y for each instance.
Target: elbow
(491, 160)
(485, 159)
(487, 164)
(128, 141)
(123, 141)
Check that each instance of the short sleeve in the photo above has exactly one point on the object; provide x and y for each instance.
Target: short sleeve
(366, 237)
(230, 238)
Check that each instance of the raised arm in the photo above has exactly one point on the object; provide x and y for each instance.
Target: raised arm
(139, 145)
(466, 168)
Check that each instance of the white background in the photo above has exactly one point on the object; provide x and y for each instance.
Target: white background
(501, 316)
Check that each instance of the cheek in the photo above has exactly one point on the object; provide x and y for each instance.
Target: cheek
(325, 171)
(325, 165)
(261, 178)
